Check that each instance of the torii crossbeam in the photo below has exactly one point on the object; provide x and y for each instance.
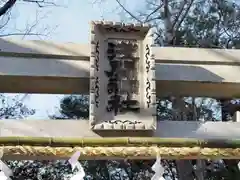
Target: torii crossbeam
(123, 73)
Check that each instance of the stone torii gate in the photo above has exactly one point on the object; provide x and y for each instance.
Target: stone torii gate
(123, 73)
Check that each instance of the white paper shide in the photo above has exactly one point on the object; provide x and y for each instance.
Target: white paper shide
(75, 164)
(158, 169)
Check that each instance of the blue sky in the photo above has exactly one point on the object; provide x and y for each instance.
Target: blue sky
(68, 23)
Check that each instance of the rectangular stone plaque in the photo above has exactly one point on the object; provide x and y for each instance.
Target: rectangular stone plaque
(122, 77)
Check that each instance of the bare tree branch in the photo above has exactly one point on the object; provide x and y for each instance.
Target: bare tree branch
(41, 3)
(21, 34)
(154, 11)
(8, 5)
(184, 15)
(134, 17)
(167, 22)
(4, 24)
(179, 12)
(30, 29)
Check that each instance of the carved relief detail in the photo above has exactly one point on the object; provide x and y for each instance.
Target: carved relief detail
(124, 122)
(148, 93)
(122, 29)
(97, 88)
(117, 27)
(94, 75)
(147, 61)
(148, 83)
(150, 80)
(97, 56)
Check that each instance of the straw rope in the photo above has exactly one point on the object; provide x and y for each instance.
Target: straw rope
(125, 152)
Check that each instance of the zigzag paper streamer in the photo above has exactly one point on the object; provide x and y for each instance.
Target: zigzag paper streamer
(6, 172)
(3, 176)
(158, 169)
(75, 164)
